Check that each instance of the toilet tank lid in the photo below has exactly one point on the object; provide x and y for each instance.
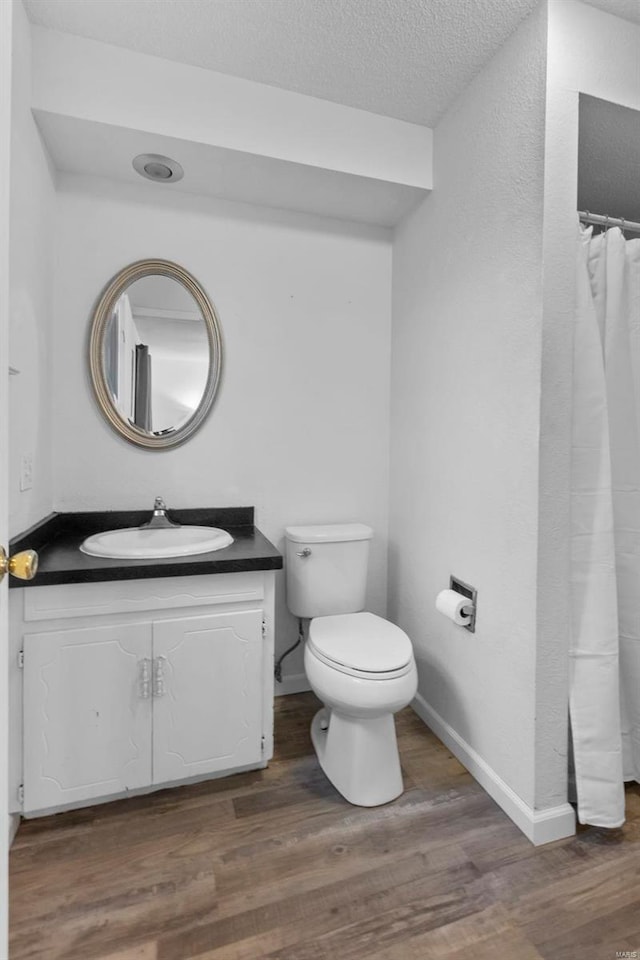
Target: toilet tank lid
(328, 533)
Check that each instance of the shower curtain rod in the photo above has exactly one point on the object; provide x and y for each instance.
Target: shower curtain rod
(602, 221)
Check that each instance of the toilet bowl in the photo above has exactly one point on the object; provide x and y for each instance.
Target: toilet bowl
(363, 669)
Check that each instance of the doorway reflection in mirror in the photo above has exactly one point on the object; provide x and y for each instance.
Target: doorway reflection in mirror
(156, 358)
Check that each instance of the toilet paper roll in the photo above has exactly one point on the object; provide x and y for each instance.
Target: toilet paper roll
(451, 604)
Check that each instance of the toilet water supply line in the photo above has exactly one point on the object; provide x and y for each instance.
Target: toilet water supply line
(277, 672)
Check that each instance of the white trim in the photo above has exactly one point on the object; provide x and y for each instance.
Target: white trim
(14, 823)
(159, 313)
(539, 826)
(295, 683)
(10, 33)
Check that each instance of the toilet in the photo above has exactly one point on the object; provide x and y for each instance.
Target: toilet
(359, 665)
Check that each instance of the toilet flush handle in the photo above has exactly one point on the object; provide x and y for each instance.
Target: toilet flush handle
(304, 553)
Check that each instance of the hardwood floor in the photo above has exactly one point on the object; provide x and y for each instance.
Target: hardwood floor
(275, 864)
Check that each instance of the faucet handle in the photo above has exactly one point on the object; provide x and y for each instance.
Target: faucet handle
(159, 515)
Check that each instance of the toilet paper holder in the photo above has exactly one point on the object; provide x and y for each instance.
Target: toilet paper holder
(467, 591)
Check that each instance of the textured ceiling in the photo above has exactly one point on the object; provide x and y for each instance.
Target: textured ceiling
(609, 159)
(627, 9)
(402, 58)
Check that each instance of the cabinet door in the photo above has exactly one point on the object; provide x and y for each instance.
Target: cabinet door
(207, 707)
(87, 716)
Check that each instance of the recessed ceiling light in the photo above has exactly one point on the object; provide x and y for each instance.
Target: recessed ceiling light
(154, 166)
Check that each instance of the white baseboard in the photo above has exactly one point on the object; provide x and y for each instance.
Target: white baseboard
(539, 826)
(14, 823)
(295, 683)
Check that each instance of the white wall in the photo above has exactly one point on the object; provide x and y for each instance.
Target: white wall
(300, 426)
(467, 310)
(594, 53)
(32, 197)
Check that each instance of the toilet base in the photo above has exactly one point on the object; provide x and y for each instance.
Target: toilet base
(359, 756)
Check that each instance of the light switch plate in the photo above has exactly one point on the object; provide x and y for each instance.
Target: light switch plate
(26, 472)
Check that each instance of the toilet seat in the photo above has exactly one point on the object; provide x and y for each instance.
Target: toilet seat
(362, 674)
(361, 645)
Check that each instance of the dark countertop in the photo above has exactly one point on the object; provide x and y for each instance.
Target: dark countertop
(57, 540)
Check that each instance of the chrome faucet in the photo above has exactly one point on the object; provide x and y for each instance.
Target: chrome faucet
(159, 517)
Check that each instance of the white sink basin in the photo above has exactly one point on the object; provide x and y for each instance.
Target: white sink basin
(136, 543)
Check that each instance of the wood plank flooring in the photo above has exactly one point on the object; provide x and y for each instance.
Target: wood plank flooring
(275, 864)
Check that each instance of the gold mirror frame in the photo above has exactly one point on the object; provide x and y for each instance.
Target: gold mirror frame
(101, 316)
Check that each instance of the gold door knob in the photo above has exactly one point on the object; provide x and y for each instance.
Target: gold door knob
(23, 565)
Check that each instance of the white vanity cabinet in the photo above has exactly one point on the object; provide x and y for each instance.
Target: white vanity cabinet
(127, 686)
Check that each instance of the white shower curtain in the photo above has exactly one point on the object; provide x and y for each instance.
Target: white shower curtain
(605, 526)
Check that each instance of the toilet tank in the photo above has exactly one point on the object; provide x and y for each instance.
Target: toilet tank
(326, 568)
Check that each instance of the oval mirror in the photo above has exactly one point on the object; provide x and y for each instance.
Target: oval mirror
(155, 353)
